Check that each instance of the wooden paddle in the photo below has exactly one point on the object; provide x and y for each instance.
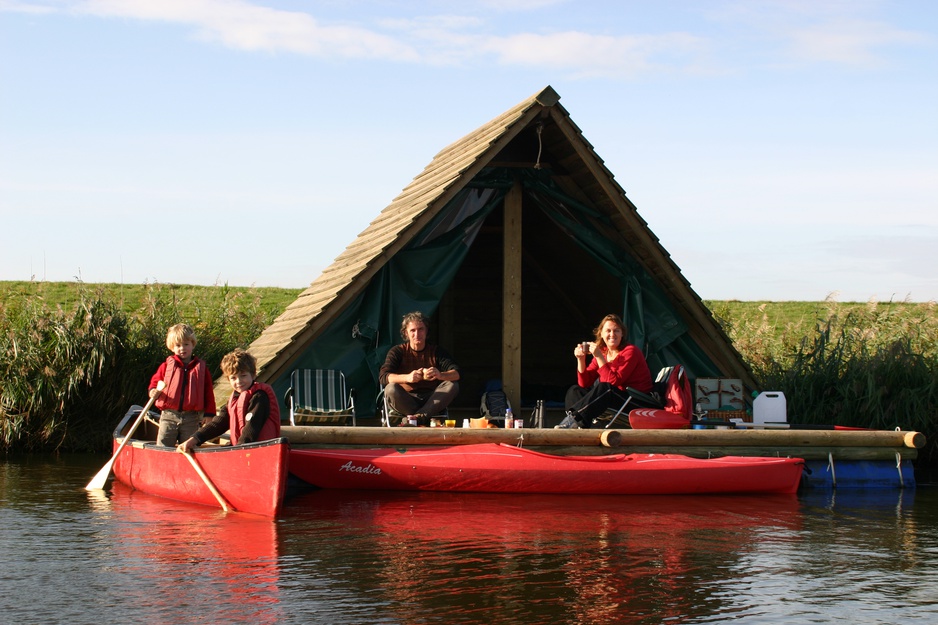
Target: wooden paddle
(195, 465)
(100, 479)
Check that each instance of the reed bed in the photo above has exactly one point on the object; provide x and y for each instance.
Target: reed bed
(864, 365)
(68, 370)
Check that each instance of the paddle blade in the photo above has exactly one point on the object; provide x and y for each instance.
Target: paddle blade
(100, 479)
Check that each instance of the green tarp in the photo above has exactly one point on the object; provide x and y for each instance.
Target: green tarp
(417, 277)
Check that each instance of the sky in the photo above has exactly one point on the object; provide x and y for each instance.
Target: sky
(779, 149)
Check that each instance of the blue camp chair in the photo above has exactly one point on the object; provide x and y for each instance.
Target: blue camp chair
(320, 396)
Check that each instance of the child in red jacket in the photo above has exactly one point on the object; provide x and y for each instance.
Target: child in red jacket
(252, 413)
(189, 395)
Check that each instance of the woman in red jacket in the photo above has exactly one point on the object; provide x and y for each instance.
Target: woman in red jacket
(615, 365)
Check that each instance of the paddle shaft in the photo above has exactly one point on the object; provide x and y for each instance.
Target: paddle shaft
(198, 469)
(100, 479)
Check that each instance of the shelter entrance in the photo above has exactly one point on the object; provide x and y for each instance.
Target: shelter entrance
(561, 293)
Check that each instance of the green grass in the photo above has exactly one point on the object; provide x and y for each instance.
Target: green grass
(768, 333)
(133, 297)
(870, 364)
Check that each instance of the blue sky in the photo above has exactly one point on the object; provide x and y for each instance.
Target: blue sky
(780, 150)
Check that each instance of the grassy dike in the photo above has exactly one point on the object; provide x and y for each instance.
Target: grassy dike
(74, 355)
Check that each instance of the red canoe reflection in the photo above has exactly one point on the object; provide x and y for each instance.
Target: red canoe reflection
(580, 558)
(233, 556)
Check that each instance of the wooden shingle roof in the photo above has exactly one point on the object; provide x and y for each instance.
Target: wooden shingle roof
(576, 168)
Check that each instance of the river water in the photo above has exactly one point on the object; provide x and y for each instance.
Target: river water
(69, 556)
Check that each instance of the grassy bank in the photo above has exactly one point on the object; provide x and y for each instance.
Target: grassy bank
(81, 350)
(131, 298)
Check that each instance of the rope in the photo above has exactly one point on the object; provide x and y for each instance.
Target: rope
(899, 467)
(830, 465)
(540, 145)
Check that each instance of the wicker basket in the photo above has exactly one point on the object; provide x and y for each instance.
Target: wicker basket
(728, 415)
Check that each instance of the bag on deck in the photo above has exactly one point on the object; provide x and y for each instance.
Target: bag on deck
(494, 401)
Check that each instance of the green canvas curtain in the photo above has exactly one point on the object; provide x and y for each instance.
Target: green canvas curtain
(414, 279)
(417, 277)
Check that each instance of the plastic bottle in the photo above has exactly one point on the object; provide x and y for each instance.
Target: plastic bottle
(509, 419)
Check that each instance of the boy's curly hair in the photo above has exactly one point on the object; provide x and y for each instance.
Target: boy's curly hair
(237, 361)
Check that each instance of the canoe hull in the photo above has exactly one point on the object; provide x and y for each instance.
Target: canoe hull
(499, 468)
(251, 478)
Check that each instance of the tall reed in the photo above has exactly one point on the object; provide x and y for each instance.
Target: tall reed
(867, 365)
(66, 374)
(52, 360)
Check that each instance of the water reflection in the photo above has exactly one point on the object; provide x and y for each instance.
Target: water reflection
(543, 558)
(425, 558)
(193, 555)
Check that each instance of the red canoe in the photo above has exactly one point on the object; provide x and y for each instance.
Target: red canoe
(250, 478)
(499, 468)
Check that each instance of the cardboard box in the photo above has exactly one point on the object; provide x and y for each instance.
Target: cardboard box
(719, 394)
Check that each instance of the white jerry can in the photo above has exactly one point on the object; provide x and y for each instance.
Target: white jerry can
(769, 407)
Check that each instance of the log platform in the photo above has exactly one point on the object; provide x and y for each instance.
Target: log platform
(808, 444)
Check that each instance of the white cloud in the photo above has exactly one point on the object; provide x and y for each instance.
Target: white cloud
(448, 39)
(246, 26)
(519, 5)
(831, 32)
(14, 6)
(844, 32)
(599, 55)
(850, 42)
(432, 26)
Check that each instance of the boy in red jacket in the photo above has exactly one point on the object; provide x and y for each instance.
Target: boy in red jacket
(252, 413)
(188, 395)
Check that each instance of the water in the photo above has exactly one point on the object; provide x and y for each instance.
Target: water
(422, 558)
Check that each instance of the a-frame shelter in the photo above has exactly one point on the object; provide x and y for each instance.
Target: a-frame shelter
(516, 240)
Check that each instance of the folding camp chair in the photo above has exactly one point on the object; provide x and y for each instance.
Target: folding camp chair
(388, 412)
(637, 399)
(677, 410)
(319, 396)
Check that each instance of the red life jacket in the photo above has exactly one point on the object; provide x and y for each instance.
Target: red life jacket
(237, 409)
(184, 378)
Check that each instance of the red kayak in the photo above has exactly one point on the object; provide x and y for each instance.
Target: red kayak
(500, 468)
(249, 478)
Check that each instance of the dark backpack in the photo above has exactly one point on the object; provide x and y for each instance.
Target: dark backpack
(494, 401)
